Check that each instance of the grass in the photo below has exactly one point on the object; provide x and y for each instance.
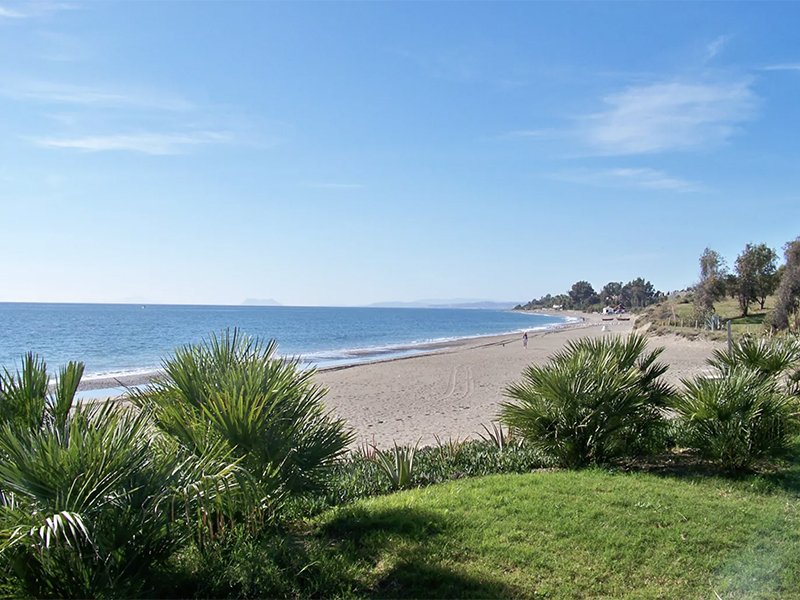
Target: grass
(570, 534)
(676, 316)
(668, 528)
(488, 519)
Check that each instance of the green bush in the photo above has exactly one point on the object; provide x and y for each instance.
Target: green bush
(234, 390)
(358, 476)
(768, 357)
(595, 400)
(92, 500)
(737, 418)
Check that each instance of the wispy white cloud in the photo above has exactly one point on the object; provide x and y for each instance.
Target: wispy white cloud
(783, 67)
(625, 177)
(33, 8)
(147, 143)
(668, 116)
(134, 119)
(92, 96)
(334, 186)
(7, 13)
(716, 46)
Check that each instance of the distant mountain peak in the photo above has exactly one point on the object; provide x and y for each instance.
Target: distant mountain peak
(260, 302)
(443, 303)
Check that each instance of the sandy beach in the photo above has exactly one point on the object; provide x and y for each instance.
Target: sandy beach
(451, 392)
(458, 386)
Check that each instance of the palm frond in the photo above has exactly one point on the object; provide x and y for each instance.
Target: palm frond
(234, 389)
(594, 400)
(737, 418)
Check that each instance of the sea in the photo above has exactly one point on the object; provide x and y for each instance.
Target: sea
(115, 340)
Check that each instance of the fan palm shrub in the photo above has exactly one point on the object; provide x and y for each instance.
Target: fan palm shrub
(737, 418)
(771, 357)
(233, 390)
(595, 400)
(92, 499)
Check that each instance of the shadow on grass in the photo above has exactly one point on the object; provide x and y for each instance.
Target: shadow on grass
(783, 475)
(752, 318)
(419, 579)
(397, 552)
(356, 523)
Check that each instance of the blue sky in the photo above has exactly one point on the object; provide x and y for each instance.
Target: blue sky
(342, 154)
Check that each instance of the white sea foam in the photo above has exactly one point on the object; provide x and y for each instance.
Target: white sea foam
(367, 354)
(121, 374)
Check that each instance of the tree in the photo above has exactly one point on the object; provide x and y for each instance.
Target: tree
(745, 279)
(711, 286)
(789, 288)
(755, 275)
(767, 273)
(561, 300)
(638, 293)
(731, 285)
(611, 292)
(582, 294)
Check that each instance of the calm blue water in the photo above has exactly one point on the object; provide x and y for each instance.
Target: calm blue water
(117, 339)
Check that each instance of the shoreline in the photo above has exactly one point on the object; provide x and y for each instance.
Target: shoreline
(450, 394)
(453, 388)
(372, 355)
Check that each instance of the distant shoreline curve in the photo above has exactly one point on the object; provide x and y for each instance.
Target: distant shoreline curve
(100, 382)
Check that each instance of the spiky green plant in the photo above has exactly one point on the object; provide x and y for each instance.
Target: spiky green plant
(23, 393)
(93, 500)
(397, 464)
(233, 389)
(769, 357)
(595, 400)
(737, 418)
(497, 436)
(451, 448)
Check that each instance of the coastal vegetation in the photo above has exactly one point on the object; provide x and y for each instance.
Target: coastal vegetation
(677, 315)
(232, 391)
(595, 400)
(194, 491)
(637, 293)
(755, 278)
(720, 295)
(91, 503)
(737, 418)
(748, 407)
(787, 307)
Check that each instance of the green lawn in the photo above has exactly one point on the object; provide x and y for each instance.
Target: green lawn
(673, 316)
(563, 534)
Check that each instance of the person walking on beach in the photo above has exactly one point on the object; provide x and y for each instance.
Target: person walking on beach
(525, 340)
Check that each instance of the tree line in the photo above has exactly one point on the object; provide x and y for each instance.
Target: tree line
(637, 293)
(755, 276)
